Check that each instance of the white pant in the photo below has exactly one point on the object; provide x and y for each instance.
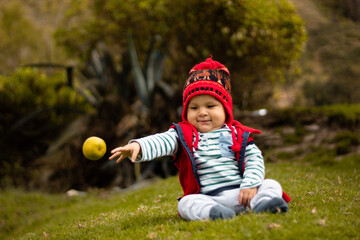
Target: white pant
(197, 206)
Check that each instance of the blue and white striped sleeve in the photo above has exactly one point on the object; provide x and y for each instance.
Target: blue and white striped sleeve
(254, 172)
(158, 145)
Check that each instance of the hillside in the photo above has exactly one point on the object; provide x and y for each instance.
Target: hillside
(329, 72)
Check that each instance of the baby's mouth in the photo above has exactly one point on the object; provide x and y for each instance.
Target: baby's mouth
(204, 121)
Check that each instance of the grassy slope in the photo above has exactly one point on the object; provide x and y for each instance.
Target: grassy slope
(325, 205)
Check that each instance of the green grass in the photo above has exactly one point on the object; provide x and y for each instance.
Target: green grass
(325, 205)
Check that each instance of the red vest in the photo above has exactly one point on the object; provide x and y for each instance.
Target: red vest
(185, 161)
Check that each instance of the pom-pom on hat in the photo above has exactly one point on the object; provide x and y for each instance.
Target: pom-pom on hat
(213, 78)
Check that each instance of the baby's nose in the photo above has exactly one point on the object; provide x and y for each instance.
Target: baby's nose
(202, 112)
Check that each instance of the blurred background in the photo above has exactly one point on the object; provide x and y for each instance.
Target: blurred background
(71, 69)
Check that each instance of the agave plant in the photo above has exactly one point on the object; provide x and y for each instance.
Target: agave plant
(145, 83)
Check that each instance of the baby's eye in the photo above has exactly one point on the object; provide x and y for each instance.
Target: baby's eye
(193, 108)
(211, 106)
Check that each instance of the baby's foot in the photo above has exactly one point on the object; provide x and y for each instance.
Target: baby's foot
(220, 211)
(273, 205)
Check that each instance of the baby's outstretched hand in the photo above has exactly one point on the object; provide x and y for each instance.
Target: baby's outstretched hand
(131, 150)
(246, 195)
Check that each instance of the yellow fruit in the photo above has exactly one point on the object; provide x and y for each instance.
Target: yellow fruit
(94, 148)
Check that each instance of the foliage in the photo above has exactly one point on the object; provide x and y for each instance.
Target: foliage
(145, 85)
(262, 39)
(34, 108)
(324, 205)
(28, 89)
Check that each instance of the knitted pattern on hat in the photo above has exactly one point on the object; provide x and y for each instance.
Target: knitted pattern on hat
(209, 77)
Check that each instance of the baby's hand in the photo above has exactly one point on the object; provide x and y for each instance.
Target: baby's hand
(246, 195)
(131, 150)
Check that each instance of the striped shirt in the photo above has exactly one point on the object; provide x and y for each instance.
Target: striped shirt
(215, 161)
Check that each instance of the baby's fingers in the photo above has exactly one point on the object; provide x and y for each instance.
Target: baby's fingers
(134, 155)
(120, 158)
(119, 155)
(241, 195)
(114, 155)
(131, 150)
(118, 149)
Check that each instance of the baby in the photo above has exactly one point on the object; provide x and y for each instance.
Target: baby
(221, 170)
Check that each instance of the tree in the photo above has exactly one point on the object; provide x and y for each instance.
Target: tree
(258, 40)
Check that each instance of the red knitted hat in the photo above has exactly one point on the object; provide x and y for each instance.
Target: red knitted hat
(209, 77)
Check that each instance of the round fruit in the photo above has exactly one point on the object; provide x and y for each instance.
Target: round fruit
(94, 148)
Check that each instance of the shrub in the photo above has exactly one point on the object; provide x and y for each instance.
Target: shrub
(34, 107)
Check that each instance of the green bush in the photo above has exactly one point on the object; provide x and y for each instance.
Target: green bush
(34, 108)
(27, 90)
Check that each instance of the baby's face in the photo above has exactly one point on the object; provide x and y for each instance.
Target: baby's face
(206, 113)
